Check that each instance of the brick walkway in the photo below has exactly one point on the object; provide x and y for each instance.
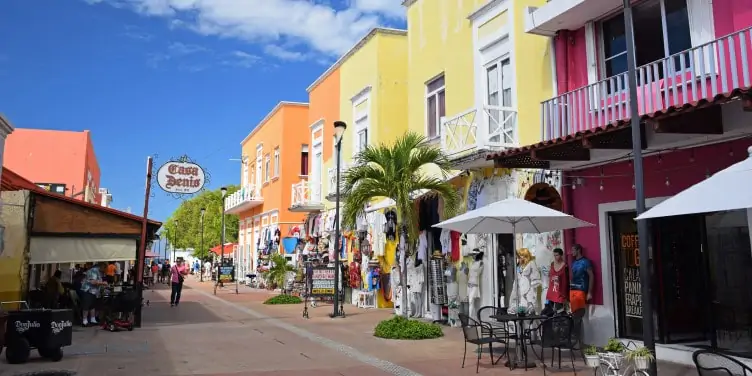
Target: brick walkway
(231, 334)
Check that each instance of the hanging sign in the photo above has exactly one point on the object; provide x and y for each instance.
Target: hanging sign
(181, 177)
(322, 281)
(630, 245)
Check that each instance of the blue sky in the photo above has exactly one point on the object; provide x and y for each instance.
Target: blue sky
(169, 77)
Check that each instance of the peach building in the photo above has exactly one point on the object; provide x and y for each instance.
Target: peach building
(60, 161)
(275, 155)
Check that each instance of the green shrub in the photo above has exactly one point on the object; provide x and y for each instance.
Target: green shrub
(283, 299)
(399, 327)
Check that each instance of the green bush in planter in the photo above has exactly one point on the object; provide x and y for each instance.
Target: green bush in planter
(283, 299)
(399, 327)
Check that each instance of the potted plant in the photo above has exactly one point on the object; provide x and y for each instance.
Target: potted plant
(614, 346)
(641, 357)
(521, 311)
(591, 357)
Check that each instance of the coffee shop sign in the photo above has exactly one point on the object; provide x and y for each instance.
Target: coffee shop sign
(181, 177)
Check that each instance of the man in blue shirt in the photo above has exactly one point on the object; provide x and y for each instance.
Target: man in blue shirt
(581, 282)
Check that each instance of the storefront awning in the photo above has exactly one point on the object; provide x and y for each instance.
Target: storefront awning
(59, 250)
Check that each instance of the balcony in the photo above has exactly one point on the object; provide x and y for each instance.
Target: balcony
(306, 197)
(566, 15)
(331, 193)
(245, 198)
(473, 133)
(718, 69)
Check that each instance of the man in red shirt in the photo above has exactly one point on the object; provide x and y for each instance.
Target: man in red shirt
(177, 276)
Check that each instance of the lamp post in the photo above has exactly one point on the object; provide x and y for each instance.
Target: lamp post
(174, 244)
(339, 131)
(203, 211)
(648, 334)
(221, 240)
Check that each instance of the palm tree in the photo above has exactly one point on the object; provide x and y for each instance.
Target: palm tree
(398, 171)
(277, 273)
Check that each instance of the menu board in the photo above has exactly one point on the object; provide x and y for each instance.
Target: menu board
(630, 245)
(322, 281)
(226, 272)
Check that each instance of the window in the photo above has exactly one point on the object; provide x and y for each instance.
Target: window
(663, 31)
(276, 162)
(435, 108)
(304, 161)
(501, 122)
(267, 161)
(362, 140)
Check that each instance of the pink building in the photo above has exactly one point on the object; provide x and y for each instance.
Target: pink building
(694, 73)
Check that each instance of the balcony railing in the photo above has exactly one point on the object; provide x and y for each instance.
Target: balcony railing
(700, 73)
(332, 176)
(247, 197)
(306, 196)
(492, 128)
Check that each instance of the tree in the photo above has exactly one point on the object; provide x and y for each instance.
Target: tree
(277, 273)
(398, 171)
(188, 215)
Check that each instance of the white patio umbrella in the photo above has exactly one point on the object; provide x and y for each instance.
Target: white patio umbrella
(512, 216)
(728, 189)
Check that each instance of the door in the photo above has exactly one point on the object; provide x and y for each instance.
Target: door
(259, 175)
(730, 261)
(681, 279)
(626, 256)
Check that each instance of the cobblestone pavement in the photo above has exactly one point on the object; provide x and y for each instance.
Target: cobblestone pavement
(231, 334)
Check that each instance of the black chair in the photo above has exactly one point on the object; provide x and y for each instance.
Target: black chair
(471, 330)
(578, 332)
(493, 327)
(556, 334)
(711, 363)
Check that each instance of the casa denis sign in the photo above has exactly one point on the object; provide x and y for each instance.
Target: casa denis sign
(181, 177)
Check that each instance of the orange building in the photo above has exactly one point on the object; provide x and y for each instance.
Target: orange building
(274, 157)
(61, 161)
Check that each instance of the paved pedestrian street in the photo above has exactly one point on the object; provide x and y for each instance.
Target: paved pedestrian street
(231, 334)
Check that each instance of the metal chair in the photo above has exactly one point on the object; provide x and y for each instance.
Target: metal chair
(556, 334)
(493, 327)
(471, 330)
(711, 363)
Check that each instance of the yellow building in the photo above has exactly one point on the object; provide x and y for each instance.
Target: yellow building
(475, 83)
(372, 96)
(466, 59)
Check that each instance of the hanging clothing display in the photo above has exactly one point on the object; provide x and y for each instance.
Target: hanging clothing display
(446, 241)
(438, 283)
(454, 238)
(354, 273)
(390, 227)
(422, 246)
(378, 233)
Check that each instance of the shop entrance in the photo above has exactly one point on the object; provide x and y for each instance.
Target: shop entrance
(701, 282)
(680, 276)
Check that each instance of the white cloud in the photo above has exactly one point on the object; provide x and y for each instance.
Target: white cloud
(178, 48)
(314, 23)
(241, 59)
(283, 53)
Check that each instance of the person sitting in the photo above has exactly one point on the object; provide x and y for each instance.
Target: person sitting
(54, 289)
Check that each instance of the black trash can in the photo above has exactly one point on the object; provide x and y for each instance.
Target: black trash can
(47, 330)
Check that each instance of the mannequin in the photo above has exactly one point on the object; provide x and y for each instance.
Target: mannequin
(473, 284)
(450, 274)
(415, 281)
(526, 283)
(396, 289)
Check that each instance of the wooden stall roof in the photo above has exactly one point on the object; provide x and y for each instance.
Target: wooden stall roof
(12, 181)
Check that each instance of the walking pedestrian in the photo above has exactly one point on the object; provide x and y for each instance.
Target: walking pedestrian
(177, 276)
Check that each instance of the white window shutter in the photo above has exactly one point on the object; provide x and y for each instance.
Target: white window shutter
(592, 59)
(701, 31)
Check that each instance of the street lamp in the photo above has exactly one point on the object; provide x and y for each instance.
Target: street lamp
(339, 131)
(221, 239)
(203, 211)
(174, 260)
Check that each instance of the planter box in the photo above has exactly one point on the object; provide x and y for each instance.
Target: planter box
(592, 361)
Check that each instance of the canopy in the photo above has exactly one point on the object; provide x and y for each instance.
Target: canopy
(61, 250)
(151, 254)
(728, 189)
(511, 216)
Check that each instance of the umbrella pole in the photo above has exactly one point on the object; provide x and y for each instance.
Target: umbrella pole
(516, 261)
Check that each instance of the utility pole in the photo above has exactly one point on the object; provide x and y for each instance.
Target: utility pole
(648, 333)
(141, 257)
